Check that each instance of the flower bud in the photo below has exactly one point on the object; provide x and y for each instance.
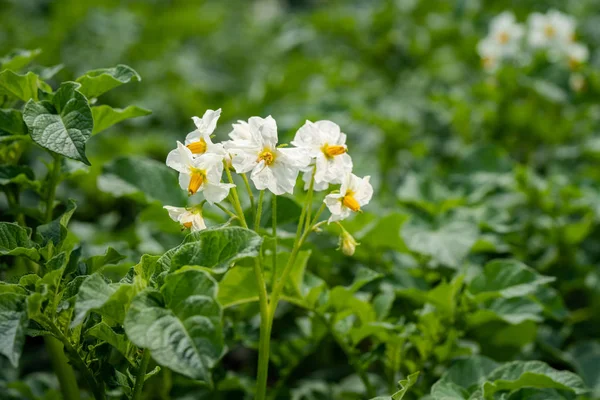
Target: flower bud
(348, 243)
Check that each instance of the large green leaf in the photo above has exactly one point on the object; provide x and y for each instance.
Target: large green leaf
(23, 87)
(238, 286)
(216, 249)
(64, 125)
(110, 300)
(513, 311)
(11, 121)
(106, 116)
(507, 279)
(13, 321)
(531, 374)
(14, 240)
(470, 372)
(585, 356)
(99, 81)
(143, 179)
(447, 245)
(180, 325)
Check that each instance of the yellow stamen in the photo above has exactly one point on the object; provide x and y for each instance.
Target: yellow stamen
(197, 179)
(332, 151)
(549, 31)
(350, 202)
(187, 225)
(267, 156)
(503, 37)
(198, 147)
(488, 62)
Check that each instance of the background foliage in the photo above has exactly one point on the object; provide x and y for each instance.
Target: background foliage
(468, 168)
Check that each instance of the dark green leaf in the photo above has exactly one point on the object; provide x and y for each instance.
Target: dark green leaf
(110, 300)
(11, 121)
(14, 240)
(13, 321)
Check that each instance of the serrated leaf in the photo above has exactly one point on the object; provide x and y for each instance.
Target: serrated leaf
(23, 87)
(17, 59)
(507, 279)
(531, 374)
(141, 178)
(215, 249)
(11, 121)
(405, 385)
(64, 125)
(106, 116)
(15, 241)
(98, 81)
(180, 325)
(13, 321)
(110, 300)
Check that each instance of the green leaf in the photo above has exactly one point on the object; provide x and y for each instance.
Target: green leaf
(470, 372)
(446, 390)
(405, 385)
(15, 241)
(15, 174)
(215, 249)
(585, 357)
(11, 121)
(106, 116)
(95, 263)
(23, 87)
(64, 125)
(13, 321)
(143, 179)
(56, 231)
(448, 245)
(110, 300)
(238, 286)
(513, 311)
(531, 374)
(99, 81)
(17, 59)
(106, 334)
(507, 279)
(180, 325)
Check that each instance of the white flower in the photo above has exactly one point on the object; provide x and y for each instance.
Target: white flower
(254, 148)
(190, 219)
(506, 34)
(326, 145)
(490, 53)
(201, 173)
(577, 54)
(199, 141)
(354, 193)
(553, 30)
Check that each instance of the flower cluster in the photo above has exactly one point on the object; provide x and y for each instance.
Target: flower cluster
(552, 33)
(318, 150)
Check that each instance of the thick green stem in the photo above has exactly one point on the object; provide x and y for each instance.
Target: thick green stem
(66, 376)
(140, 376)
(274, 233)
(258, 215)
(265, 334)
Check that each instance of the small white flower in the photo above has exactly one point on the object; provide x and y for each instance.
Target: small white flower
(201, 173)
(577, 54)
(199, 141)
(190, 219)
(553, 30)
(326, 145)
(506, 33)
(354, 193)
(254, 148)
(490, 53)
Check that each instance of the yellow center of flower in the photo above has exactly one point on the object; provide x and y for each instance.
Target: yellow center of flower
(198, 147)
(198, 177)
(267, 156)
(549, 31)
(487, 62)
(503, 37)
(187, 225)
(350, 202)
(332, 151)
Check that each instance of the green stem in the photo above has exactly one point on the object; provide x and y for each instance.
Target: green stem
(236, 200)
(64, 372)
(141, 375)
(249, 190)
(274, 233)
(309, 196)
(226, 211)
(265, 334)
(53, 178)
(258, 215)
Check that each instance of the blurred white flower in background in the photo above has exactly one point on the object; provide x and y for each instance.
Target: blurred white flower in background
(188, 218)
(577, 54)
(553, 30)
(254, 149)
(506, 33)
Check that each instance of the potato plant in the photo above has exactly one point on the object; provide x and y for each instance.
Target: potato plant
(379, 216)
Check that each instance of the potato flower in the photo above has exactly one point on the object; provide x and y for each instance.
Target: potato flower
(553, 30)
(201, 173)
(354, 193)
(188, 218)
(324, 142)
(254, 149)
(199, 141)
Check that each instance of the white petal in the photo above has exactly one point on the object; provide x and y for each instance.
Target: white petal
(216, 192)
(263, 178)
(317, 187)
(184, 180)
(180, 159)
(198, 223)
(244, 161)
(331, 133)
(285, 178)
(293, 157)
(175, 213)
(308, 137)
(208, 122)
(364, 192)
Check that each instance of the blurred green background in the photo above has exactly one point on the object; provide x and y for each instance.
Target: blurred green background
(509, 159)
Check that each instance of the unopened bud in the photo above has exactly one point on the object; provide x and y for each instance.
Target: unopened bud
(348, 243)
